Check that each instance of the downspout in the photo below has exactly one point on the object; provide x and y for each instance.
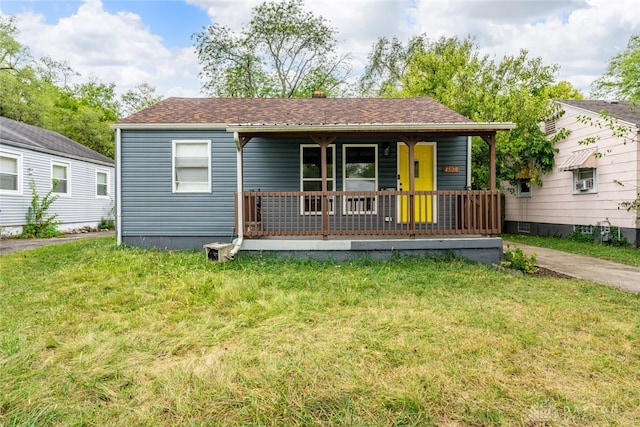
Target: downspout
(469, 159)
(239, 174)
(118, 187)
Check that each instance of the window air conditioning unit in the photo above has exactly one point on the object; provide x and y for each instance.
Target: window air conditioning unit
(584, 184)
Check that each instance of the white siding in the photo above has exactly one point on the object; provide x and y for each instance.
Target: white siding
(555, 202)
(83, 207)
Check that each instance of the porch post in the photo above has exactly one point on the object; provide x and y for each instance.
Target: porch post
(323, 142)
(240, 141)
(411, 142)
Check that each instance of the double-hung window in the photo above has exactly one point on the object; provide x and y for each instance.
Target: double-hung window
(191, 166)
(102, 183)
(311, 177)
(10, 175)
(61, 178)
(360, 165)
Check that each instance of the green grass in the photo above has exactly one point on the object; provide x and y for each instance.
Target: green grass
(624, 255)
(93, 334)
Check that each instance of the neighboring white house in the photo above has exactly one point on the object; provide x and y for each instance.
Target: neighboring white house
(85, 179)
(589, 180)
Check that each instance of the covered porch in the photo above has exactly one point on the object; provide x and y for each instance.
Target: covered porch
(402, 218)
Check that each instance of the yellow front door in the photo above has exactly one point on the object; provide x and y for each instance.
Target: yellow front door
(424, 172)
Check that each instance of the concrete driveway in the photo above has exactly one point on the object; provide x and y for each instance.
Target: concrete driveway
(8, 246)
(581, 267)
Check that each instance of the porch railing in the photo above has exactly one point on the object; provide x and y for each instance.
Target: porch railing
(381, 213)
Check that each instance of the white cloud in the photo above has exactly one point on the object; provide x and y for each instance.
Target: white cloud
(116, 48)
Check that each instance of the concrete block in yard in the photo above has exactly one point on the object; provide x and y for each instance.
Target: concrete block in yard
(220, 252)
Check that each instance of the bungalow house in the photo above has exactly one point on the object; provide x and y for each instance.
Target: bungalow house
(309, 177)
(84, 179)
(597, 168)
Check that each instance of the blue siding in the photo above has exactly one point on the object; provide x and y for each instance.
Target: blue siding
(149, 208)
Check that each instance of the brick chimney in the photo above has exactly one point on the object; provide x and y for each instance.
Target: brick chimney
(318, 94)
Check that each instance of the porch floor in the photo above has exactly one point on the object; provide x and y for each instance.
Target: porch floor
(483, 249)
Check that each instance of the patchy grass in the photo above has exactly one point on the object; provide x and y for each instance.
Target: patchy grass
(92, 334)
(623, 255)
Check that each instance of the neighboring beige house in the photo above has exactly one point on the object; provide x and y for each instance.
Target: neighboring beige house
(584, 190)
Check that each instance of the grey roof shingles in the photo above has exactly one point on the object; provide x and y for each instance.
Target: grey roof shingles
(296, 111)
(40, 139)
(622, 110)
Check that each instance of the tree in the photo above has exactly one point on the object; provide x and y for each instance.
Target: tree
(143, 96)
(12, 53)
(621, 81)
(452, 71)
(284, 52)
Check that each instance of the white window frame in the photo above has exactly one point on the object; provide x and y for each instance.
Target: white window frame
(520, 192)
(174, 183)
(18, 158)
(108, 175)
(332, 178)
(67, 166)
(362, 204)
(583, 229)
(578, 177)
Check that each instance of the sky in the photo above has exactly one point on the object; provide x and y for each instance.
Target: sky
(150, 41)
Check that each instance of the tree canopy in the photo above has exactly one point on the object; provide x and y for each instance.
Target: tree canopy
(283, 52)
(621, 80)
(451, 70)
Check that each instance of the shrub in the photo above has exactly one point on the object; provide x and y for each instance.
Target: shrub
(106, 224)
(39, 222)
(516, 259)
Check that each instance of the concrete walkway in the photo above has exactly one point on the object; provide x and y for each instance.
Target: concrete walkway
(8, 246)
(608, 273)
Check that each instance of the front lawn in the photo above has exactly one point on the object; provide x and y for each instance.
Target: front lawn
(92, 334)
(622, 254)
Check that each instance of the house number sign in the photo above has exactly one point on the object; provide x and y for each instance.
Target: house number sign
(451, 169)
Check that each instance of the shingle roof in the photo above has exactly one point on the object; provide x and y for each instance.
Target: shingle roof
(296, 111)
(39, 139)
(622, 110)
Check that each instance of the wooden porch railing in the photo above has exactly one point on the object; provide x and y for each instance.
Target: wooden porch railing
(380, 213)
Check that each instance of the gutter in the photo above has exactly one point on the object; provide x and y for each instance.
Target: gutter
(237, 244)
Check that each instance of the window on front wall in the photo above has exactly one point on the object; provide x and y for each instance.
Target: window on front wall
(60, 179)
(10, 166)
(584, 181)
(311, 177)
(102, 183)
(192, 166)
(360, 165)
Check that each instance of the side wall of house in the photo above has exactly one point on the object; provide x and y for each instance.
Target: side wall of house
(555, 207)
(79, 208)
(153, 216)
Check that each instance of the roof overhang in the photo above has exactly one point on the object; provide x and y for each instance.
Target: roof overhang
(469, 128)
(466, 128)
(169, 126)
(110, 164)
